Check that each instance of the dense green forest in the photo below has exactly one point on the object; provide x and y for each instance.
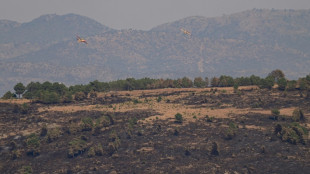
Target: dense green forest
(48, 92)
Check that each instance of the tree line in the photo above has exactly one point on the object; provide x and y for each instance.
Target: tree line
(48, 92)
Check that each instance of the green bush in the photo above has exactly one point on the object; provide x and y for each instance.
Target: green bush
(231, 131)
(291, 85)
(159, 98)
(73, 128)
(91, 152)
(298, 115)
(114, 143)
(133, 121)
(105, 121)
(16, 154)
(67, 98)
(23, 108)
(178, 118)
(99, 150)
(87, 124)
(26, 170)
(268, 83)
(209, 119)
(53, 134)
(282, 82)
(48, 97)
(76, 147)
(275, 114)
(33, 145)
(136, 101)
(95, 150)
(8, 95)
(292, 133)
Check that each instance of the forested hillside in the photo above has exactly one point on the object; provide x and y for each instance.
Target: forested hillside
(251, 42)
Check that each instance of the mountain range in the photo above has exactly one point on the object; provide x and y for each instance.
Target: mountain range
(255, 42)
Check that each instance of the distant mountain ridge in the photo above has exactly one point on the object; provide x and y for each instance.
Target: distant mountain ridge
(250, 42)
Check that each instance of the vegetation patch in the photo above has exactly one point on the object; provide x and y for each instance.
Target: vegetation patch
(178, 118)
(293, 133)
(76, 147)
(33, 145)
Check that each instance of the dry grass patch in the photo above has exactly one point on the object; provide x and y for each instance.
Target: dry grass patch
(15, 101)
(283, 111)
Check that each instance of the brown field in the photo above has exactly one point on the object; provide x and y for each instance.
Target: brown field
(142, 135)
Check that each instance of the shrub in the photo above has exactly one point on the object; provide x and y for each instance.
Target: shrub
(113, 135)
(136, 101)
(278, 129)
(99, 150)
(33, 145)
(292, 133)
(133, 121)
(53, 134)
(8, 95)
(26, 170)
(87, 124)
(231, 131)
(275, 114)
(67, 98)
(209, 119)
(178, 118)
(91, 152)
(298, 115)
(48, 97)
(236, 86)
(73, 128)
(16, 154)
(214, 149)
(13, 145)
(114, 143)
(176, 132)
(282, 82)
(159, 98)
(79, 96)
(23, 108)
(291, 85)
(93, 94)
(268, 83)
(105, 120)
(76, 147)
(263, 149)
(43, 130)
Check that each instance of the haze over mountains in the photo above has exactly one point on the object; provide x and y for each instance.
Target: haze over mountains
(250, 42)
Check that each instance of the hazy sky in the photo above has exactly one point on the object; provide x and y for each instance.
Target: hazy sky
(137, 14)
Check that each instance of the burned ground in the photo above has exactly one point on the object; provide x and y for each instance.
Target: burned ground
(134, 132)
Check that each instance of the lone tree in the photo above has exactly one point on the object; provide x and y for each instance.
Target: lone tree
(199, 82)
(276, 75)
(19, 89)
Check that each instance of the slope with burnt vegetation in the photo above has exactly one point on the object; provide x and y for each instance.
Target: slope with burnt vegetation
(197, 130)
